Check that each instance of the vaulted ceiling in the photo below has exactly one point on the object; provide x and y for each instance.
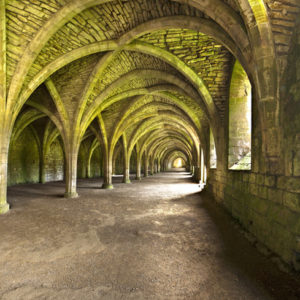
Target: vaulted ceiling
(145, 70)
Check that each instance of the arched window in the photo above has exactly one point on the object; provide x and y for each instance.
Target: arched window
(178, 163)
(240, 114)
(213, 153)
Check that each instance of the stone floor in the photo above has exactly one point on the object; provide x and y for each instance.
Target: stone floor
(154, 239)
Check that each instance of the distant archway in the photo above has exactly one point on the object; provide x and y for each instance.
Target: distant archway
(178, 163)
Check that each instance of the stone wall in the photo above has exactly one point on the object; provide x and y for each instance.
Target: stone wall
(96, 163)
(54, 167)
(290, 109)
(268, 205)
(118, 162)
(23, 159)
(264, 205)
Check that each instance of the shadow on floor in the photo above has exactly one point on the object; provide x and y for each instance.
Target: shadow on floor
(245, 257)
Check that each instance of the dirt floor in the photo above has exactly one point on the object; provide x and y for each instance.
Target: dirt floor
(154, 239)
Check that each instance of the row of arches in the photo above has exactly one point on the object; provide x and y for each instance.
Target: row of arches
(231, 26)
(215, 82)
(38, 155)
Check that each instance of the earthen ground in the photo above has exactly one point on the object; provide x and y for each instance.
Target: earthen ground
(155, 239)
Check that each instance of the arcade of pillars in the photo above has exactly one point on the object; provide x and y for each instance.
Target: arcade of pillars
(102, 87)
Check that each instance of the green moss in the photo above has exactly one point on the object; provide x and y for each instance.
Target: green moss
(54, 168)
(96, 163)
(23, 159)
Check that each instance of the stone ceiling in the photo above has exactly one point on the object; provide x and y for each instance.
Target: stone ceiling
(129, 62)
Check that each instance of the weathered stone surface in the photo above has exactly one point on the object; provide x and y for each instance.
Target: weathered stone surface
(131, 85)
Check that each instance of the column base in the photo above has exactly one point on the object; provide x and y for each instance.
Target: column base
(4, 208)
(71, 195)
(127, 181)
(138, 178)
(107, 186)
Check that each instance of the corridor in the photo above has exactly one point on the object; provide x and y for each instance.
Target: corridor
(158, 238)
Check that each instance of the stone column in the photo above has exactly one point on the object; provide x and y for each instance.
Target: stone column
(4, 206)
(138, 167)
(158, 166)
(126, 171)
(202, 168)
(197, 174)
(152, 168)
(4, 133)
(88, 165)
(187, 167)
(146, 166)
(71, 174)
(107, 176)
(126, 167)
(88, 170)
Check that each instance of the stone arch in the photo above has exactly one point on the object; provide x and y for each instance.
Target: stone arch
(136, 118)
(177, 154)
(240, 120)
(226, 17)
